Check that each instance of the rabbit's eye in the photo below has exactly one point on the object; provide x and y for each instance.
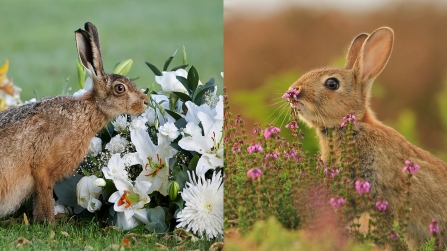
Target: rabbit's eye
(332, 84)
(120, 88)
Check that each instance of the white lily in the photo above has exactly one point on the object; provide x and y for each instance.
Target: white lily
(129, 200)
(169, 82)
(210, 146)
(193, 110)
(153, 158)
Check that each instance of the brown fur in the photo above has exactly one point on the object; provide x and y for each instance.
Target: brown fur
(382, 150)
(44, 142)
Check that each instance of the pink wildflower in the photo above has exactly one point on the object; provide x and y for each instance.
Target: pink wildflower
(254, 173)
(331, 172)
(394, 235)
(381, 205)
(269, 131)
(347, 119)
(362, 186)
(274, 155)
(337, 202)
(291, 93)
(254, 147)
(410, 167)
(292, 125)
(434, 228)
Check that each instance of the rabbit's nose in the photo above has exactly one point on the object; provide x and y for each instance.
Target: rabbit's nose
(292, 93)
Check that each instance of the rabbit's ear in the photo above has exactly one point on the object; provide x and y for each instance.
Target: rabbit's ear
(354, 50)
(87, 42)
(374, 55)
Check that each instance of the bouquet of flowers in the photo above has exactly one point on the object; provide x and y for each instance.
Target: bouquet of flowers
(9, 93)
(162, 169)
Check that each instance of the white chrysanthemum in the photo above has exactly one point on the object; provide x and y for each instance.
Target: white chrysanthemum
(203, 212)
(95, 146)
(115, 168)
(117, 144)
(170, 130)
(120, 124)
(138, 122)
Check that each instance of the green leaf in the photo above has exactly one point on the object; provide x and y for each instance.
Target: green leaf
(123, 68)
(158, 227)
(169, 61)
(183, 66)
(179, 202)
(157, 214)
(193, 163)
(173, 114)
(211, 81)
(81, 73)
(154, 69)
(197, 96)
(184, 55)
(66, 190)
(184, 82)
(85, 172)
(134, 79)
(181, 176)
(109, 189)
(180, 123)
(183, 96)
(193, 78)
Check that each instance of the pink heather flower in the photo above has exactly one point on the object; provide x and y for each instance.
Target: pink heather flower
(337, 202)
(292, 125)
(254, 173)
(331, 172)
(410, 167)
(381, 205)
(362, 186)
(269, 131)
(274, 155)
(434, 228)
(291, 93)
(253, 148)
(394, 235)
(347, 119)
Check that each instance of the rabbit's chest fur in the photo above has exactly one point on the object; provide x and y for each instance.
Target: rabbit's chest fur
(50, 136)
(382, 152)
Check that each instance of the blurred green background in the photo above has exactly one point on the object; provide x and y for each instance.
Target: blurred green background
(37, 37)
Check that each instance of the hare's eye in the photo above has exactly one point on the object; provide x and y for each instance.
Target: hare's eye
(332, 84)
(120, 88)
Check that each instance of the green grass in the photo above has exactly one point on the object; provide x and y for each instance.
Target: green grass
(38, 39)
(87, 235)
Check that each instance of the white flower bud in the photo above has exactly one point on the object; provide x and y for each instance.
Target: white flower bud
(99, 182)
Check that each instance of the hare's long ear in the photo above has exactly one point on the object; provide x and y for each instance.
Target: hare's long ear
(354, 50)
(87, 42)
(374, 55)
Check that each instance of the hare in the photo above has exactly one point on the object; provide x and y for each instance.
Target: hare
(45, 141)
(322, 97)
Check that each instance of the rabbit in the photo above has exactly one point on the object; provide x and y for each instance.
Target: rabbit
(322, 97)
(44, 142)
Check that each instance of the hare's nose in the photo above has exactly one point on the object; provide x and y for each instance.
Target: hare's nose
(146, 100)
